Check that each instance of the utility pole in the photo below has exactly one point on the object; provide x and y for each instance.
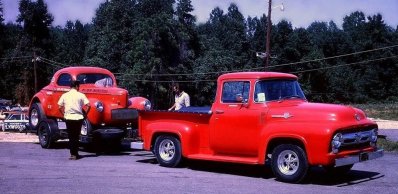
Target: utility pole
(267, 45)
(34, 69)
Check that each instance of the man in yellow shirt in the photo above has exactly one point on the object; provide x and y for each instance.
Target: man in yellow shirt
(74, 105)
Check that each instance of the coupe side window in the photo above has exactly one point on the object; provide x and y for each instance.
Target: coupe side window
(64, 80)
(235, 92)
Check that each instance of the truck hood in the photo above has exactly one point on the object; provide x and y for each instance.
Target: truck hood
(315, 112)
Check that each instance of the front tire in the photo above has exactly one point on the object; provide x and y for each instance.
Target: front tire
(168, 151)
(36, 115)
(289, 163)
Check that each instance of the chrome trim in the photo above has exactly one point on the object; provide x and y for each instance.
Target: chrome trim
(352, 159)
(285, 115)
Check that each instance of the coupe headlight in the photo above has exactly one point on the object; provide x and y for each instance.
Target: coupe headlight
(336, 142)
(99, 106)
(147, 105)
(373, 138)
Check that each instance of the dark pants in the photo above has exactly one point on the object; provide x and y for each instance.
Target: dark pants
(74, 127)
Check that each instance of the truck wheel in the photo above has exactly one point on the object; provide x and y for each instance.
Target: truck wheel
(36, 115)
(289, 163)
(168, 151)
(44, 133)
(338, 170)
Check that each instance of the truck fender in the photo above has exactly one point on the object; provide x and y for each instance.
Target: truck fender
(181, 131)
(139, 103)
(271, 139)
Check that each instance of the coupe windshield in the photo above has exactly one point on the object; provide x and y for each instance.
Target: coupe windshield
(268, 90)
(100, 80)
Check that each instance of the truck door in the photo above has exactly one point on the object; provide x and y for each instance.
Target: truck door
(235, 129)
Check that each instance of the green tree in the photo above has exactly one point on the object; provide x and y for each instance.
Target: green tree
(70, 43)
(156, 51)
(111, 35)
(35, 37)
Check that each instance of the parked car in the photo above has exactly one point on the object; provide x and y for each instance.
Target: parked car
(112, 114)
(16, 121)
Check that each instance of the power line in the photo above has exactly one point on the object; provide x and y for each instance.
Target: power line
(250, 69)
(11, 58)
(366, 61)
(48, 61)
(165, 81)
(333, 57)
(317, 69)
(56, 66)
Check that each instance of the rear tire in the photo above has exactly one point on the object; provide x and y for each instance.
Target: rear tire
(45, 137)
(289, 163)
(168, 151)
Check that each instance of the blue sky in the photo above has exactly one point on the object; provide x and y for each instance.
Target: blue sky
(300, 13)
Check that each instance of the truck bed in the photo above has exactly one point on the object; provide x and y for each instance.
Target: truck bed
(191, 109)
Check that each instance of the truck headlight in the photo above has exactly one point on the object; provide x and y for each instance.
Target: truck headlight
(99, 106)
(147, 105)
(336, 142)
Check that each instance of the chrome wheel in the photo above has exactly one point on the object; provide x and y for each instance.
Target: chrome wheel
(34, 117)
(288, 162)
(167, 150)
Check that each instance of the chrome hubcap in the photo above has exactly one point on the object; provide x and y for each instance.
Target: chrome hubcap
(288, 162)
(34, 117)
(167, 150)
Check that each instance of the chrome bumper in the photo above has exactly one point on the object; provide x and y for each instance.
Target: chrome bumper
(352, 159)
(137, 145)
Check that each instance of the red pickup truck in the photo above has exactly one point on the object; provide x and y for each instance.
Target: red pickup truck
(258, 117)
(112, 112)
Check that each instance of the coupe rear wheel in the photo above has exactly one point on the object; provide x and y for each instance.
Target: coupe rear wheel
(45, 137)
(289, 163)
(168, 151)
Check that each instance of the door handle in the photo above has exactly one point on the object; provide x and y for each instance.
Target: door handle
(219, 111)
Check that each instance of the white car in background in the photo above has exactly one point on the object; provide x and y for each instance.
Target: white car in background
(15, 121)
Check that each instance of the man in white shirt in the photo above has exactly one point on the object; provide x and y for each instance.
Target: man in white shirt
(181, 99)
(72, 104)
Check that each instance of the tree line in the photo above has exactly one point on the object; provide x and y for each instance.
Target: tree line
(152, 44)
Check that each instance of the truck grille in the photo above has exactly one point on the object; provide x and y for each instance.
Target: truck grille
(356, 140)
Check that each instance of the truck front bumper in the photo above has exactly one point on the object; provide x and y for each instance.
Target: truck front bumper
(361, 157)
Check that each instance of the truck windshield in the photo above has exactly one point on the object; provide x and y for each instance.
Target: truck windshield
(269, 90)
(100, 80)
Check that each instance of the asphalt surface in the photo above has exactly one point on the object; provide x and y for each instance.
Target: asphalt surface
(390, 134)
(27, 168)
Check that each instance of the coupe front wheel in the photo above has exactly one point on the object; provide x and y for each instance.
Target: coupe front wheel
(289, 163)
(168, 151)
(36, 115)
